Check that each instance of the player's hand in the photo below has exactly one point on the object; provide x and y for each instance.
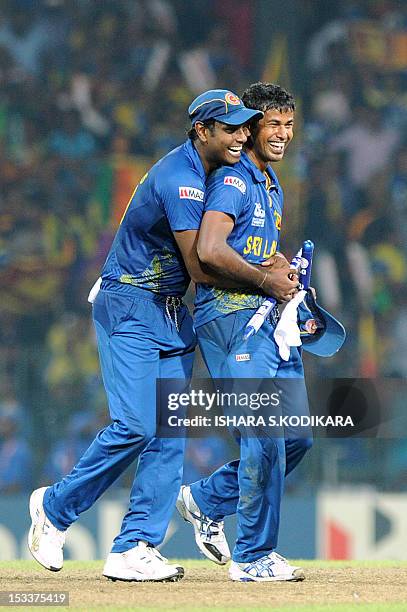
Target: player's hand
(281, 283)
(277, 260)
(311, 326)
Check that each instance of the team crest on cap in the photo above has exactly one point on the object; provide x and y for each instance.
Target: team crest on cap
(232, 98)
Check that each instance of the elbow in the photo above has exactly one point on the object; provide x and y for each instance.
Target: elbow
(201, 279)
(197, 275)
(205, 253)
(197, 270)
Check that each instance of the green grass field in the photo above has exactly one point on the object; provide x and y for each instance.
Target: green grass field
(369, 586)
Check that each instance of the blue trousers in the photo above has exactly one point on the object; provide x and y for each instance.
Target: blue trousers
(252, 487)
(137, 343)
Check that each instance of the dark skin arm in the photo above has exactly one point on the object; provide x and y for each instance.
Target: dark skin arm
(212, 248)
(199, 272)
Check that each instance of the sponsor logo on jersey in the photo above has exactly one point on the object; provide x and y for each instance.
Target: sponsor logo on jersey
(258, 215)
(235, 182)
(191, 193)
(231, 98)
(243, 357)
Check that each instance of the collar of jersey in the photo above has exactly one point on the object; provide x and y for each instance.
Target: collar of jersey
(196, 160)
(256, 173)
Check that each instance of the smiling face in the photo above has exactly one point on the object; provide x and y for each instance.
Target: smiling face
(271, 136)
(221, 144)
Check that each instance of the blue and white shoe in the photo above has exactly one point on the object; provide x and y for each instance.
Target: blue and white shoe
(270, 568)
(209, 535)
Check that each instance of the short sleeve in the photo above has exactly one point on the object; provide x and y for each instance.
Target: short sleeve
(225, 191)
(183, 200)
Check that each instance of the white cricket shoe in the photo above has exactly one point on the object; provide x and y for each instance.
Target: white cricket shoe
(209, 535)
(270, 568)
(142, 563)
(45, 541)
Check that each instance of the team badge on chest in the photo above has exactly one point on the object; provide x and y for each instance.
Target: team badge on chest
(259, 215)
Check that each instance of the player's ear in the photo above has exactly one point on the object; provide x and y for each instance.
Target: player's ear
(253, 129)
(201, 131)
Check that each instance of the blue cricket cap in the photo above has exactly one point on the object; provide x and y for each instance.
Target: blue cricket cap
(330, 335)
(222, 105)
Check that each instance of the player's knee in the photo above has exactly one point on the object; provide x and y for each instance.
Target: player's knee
(304, 444)
(132, 433)
(273, 451)
(143, 434)
(308, 443)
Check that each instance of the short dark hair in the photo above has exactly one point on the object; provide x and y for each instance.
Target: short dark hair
(268, 96)
(209, 123)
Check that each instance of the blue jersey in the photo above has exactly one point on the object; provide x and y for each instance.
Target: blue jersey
(255, 202)
(168, 198)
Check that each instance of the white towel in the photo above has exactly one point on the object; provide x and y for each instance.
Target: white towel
(287, 332)
(94, 291)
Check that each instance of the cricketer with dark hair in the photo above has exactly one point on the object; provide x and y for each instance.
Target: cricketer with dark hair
(243, 211)
(145, 332)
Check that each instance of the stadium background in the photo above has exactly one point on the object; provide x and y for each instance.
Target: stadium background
(91, 94)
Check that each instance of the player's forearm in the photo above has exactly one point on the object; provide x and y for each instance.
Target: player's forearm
(277, 281)
(204, 273)
(229, 269)
(197, 270)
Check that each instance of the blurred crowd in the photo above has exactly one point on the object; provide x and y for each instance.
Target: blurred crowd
(355, 167)
(91, 93)
(354, 191)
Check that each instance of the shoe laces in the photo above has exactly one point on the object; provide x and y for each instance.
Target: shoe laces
(156, 553)
(276, 557)
(211, 530)
(139, 553)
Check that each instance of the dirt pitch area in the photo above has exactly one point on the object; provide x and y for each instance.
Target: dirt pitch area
(336, 586)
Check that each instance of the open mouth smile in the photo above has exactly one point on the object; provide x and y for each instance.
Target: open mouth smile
(277, 147)
(235, 151)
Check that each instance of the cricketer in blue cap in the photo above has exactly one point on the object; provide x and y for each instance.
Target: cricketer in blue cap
(221, 105)
(145, 332)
